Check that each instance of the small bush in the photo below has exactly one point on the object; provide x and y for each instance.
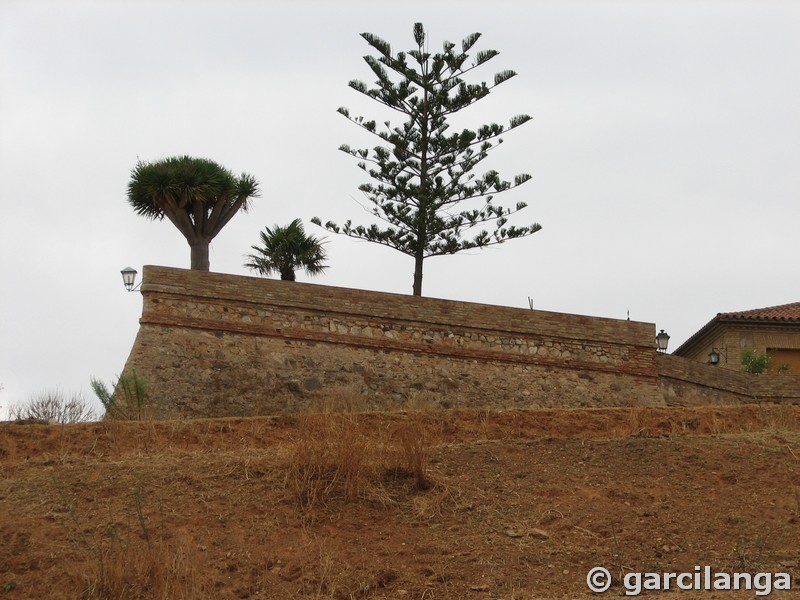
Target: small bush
(754, 363)
(128, 400)
(53, 407)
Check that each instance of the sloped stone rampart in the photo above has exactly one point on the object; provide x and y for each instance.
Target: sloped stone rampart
(215, 345)
(222, 345)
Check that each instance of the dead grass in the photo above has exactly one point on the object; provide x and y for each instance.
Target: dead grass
(780, 417)
(126, 569)
(329, 458)
(122, 438)
(423, 400)
(126, 559)
(335, 400)
(336, 456)
(434, 504)
(413, 451)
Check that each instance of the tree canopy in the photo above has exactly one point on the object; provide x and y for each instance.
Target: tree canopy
(197, 195)
(284, 250)
(425, 188)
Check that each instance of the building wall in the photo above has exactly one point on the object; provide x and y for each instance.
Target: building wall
(214, 345)
(784, 360)
(733, 339)
(223, 345)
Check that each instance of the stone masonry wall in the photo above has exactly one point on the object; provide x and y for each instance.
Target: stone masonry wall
(686, 382)
(223, 345)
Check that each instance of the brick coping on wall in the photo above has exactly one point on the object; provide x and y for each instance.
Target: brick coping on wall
(397, 307)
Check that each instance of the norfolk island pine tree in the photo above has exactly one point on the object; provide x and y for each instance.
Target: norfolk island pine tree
(424, 175)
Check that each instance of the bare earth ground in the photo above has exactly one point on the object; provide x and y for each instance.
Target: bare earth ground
(417, 505)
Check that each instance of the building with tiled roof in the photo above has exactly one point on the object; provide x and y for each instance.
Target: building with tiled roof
(774, 330)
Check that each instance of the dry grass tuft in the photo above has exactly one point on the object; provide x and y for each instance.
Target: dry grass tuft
(330, 457)
(126, 568)
(435, 502)
(414, 452)
(127, 562)
(342, 399)
(342, 457)
(780, 417)
(423, 400)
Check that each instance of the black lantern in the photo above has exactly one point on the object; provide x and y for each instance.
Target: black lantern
(714, 356)
(662, 339)
(129, 278)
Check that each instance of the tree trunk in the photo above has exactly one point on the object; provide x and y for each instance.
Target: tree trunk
(418, 274)
(422, 208)
(200, 255)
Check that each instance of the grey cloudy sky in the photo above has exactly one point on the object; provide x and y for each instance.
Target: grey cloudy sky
(664, 150)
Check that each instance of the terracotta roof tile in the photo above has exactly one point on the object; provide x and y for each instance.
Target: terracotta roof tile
(784, 312)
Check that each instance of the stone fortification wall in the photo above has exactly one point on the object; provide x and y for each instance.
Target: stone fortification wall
(215, 345)
(686, 382)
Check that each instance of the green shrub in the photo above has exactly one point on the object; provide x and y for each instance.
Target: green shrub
(127, 400)
(754, 362)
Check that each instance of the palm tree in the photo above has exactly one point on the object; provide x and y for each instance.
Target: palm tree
(285, 249)
(196, 194)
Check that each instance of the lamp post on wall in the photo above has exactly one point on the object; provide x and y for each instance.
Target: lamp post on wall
(662, 339)
(713, 356)
(129, 279)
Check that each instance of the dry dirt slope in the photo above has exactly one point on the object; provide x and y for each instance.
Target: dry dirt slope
(451, 504)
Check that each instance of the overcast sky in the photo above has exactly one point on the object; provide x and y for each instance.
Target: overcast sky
(664, 150)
